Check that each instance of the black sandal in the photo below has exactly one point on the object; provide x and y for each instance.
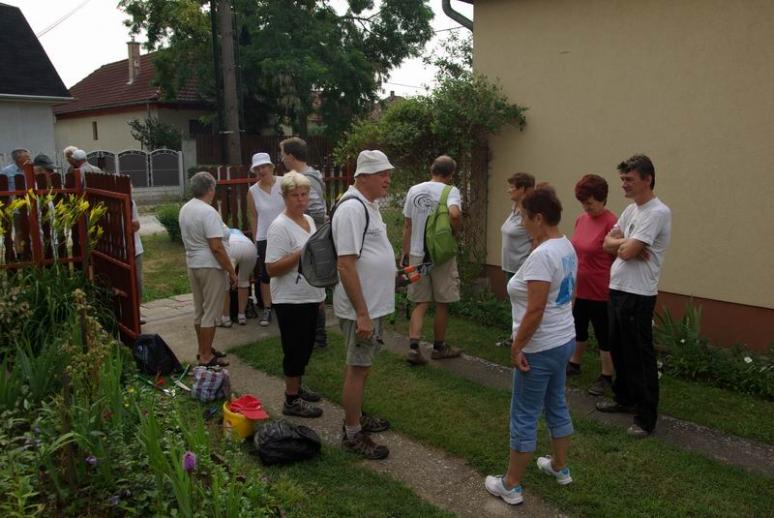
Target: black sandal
(214, 362)
(218, 354)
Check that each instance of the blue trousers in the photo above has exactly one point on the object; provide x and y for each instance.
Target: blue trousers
(540, 389)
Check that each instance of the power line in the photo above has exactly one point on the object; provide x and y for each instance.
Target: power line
(401, 84)
(63, 18)
(449, 29)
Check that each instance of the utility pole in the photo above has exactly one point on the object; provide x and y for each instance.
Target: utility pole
(230, 125)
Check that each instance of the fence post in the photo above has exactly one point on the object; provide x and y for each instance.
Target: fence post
(181, 174)
(32, 217)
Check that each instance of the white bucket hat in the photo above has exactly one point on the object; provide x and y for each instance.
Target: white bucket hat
(79, 154)
(371, 162)
(260, 159)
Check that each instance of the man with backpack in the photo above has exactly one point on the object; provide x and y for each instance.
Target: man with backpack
(428, 235)
(365, 293)
(294, 154)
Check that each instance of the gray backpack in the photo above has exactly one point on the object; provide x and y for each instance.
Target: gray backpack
(318, 257)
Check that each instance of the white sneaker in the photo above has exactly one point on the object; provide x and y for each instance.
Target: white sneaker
(562, 476)
(265, 318)
(225, 322)
(495, 486)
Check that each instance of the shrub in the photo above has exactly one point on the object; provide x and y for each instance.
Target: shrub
(167, 215)
(690, 356)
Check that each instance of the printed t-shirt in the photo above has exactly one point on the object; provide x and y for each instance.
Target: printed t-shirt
(552, 261)
(421, 200)
(650, 223)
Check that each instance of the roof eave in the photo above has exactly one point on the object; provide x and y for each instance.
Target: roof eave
(35, 98)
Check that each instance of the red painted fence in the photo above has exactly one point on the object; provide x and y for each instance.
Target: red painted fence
(30, 241)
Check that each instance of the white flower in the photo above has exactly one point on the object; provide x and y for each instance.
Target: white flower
(659, 365)
(682, 340)
(747, 359)
(659, 374)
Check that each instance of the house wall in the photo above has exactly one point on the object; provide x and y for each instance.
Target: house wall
(688, 82)
(26, 124)
(180, 118)
(113, 132)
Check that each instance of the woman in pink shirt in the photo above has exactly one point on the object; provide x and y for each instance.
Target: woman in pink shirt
(594, 263)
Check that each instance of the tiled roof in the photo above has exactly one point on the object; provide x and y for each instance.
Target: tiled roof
(107, 87)
(24, 66)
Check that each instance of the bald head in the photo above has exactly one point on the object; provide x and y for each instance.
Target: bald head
(443, 166)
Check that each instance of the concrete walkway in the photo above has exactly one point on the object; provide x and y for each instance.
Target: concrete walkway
(446, 481)
(149, 225)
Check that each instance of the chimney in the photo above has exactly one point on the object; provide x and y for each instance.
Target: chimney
(134, 60)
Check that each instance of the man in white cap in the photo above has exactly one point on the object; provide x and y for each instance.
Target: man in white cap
(68, 155)
(79, 162)
(366, 293)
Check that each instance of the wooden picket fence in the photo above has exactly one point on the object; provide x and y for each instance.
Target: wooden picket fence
(234, 182)
(30, 241)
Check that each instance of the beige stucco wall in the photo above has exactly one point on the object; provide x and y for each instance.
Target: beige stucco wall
(113, 131)
(688, 82)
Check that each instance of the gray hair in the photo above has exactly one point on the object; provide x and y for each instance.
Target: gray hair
(202, 183)
(292, 181)
(69, 150)
(16, 153)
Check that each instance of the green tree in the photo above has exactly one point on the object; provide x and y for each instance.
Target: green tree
(297, 57)
(154, 134)
(456, 119)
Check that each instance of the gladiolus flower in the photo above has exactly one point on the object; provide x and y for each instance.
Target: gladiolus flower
(189, 461)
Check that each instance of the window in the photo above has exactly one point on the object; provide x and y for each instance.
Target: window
(94, 133)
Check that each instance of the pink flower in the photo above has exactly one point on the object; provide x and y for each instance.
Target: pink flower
(189, 461)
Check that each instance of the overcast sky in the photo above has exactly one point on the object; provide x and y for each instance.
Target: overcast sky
(95, 35)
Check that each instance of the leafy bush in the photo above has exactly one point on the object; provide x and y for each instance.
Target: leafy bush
(690, 356)
(168, 215)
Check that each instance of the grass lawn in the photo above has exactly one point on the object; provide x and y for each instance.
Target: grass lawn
(333, 484)
(615, 475)
(731, 412)
(738, 414)
(163, 267)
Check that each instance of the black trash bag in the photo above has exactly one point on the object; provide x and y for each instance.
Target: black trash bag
(153, 356)
(281, 442)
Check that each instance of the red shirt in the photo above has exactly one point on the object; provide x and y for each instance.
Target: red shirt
(593, 262)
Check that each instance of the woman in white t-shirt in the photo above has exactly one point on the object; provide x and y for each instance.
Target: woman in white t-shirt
(541, 294)
(264, 203)
(295, 301)
(241, 251)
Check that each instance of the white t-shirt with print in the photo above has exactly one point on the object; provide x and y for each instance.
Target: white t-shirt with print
(267, 206)
(376, 264)
(200, 221)
(285, 236)
(650, 223)
(421, 200)
(552, 261)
